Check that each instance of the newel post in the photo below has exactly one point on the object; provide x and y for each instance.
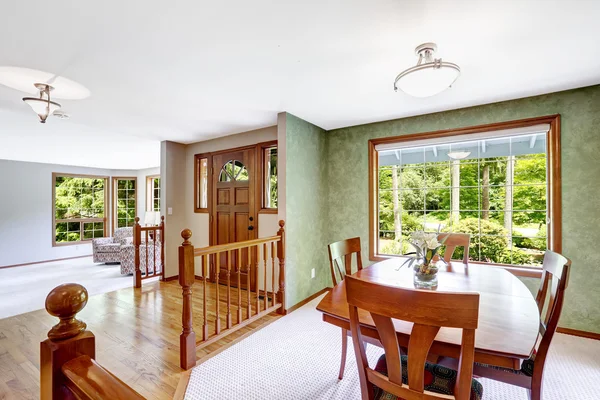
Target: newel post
(67, 340)
(137, 239)
(281, 257)
(187, 339)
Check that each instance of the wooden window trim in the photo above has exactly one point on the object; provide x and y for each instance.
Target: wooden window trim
(149, 194)
(197, 158)
(54, 221)
(554, 190)
(260, 194)
(113, 199)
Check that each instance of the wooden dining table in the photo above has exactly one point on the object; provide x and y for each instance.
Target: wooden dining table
(508, 314)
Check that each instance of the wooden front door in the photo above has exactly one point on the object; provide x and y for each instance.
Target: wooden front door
(233, 211)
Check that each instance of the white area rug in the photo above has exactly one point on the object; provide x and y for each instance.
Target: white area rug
(24, 289)
(297, 357)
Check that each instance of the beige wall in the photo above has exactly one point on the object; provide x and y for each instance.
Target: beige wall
(172, 172)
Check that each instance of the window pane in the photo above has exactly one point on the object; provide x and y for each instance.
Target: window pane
(126, 202)
(202, 183)
(496, 193)
(270, 178)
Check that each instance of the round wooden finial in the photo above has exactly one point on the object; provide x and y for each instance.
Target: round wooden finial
(281, 223)
(137, 219)
(162, 218)
(64, 302)
(186, 234)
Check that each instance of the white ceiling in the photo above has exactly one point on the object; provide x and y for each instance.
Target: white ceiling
(189, 70)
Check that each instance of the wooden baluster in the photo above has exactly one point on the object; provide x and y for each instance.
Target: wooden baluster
(248, 286)
(154, 248)
(265, 292)
(137, 238)
(239, 285)
(218, 298)
(228, 288)
(147, 258)
(67, 340)
(255, 264)
(281, 257)
(205, 278)
(162, 247)
(187, 339)
(272, 274)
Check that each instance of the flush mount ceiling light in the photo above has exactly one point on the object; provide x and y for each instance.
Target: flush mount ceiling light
(42, 105)
(430, 76)
(40, 84)
(458, 155)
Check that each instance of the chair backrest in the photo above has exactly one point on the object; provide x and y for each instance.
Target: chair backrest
(454, 240)
(428, 311)
(555, 276)
(121, 234)
(340, 258)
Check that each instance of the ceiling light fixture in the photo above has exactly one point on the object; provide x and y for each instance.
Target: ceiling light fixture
(42, 106)
(459, 155)
(430, 76)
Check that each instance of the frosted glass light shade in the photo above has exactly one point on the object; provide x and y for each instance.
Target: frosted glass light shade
(428, 79)
(42, 107)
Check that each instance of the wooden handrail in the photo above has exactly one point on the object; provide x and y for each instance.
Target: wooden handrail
(220, 248)
(89, 380)
(233, 259)
(67, 366)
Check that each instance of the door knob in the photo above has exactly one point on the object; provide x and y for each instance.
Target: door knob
(251, 228)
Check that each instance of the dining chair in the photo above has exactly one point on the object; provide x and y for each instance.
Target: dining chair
(340, 261)
(411, 376)
(555, 276)
(454, 240)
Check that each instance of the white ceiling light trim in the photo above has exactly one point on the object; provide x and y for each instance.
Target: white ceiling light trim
(430, 76)
(42, 106)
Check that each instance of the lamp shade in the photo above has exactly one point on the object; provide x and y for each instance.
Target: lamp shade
(157, 220)
(42, 107)
(428, 79)
(150, 217)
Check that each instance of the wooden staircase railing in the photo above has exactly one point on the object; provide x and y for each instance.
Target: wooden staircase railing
(67, 366)
(255, 255)
(153, 238)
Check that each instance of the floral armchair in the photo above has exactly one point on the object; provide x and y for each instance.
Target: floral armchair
(150, 248)
(106, 250)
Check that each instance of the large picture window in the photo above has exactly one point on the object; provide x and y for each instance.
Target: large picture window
(78, 208)
(493, 185)
(124, 193)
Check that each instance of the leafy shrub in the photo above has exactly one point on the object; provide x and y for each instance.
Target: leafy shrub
(537, 243)
(489, 247)
(395, 247)
(519, 257)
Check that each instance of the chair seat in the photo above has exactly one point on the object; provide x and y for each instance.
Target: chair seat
(526, 367)
(109, 248)
(438, 379)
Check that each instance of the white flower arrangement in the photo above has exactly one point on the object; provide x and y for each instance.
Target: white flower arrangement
(426, 247)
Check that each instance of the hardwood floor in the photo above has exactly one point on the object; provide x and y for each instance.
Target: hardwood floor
(137, 338)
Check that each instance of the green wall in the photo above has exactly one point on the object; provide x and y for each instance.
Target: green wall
(306, 209)
(347, 207)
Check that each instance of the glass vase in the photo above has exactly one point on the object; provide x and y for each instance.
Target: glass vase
(425, 274)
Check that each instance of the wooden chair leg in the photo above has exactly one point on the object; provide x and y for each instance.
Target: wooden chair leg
(344, 350)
